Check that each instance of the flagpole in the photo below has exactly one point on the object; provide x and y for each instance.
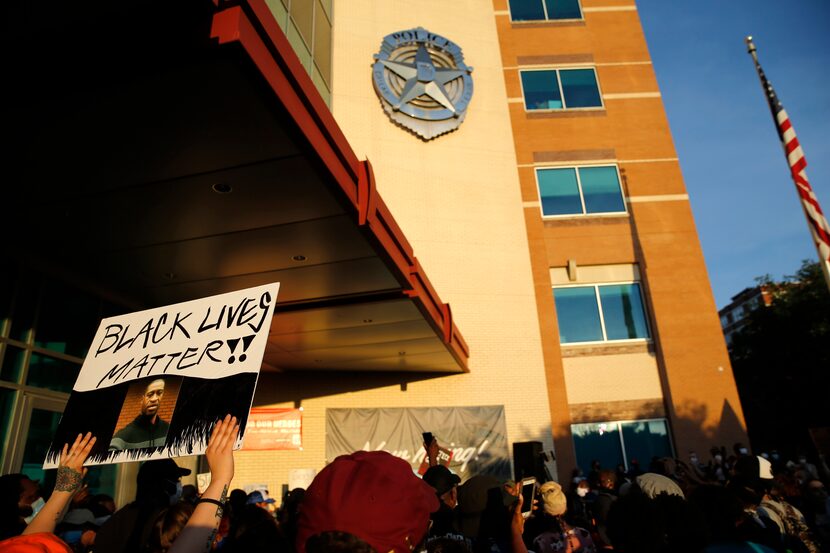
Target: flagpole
(819, 228)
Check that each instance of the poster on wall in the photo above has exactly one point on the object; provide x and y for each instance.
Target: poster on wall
(155, 381)
(476, 437)
(274, 429)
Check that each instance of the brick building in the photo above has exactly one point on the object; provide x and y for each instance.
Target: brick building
(222, 147)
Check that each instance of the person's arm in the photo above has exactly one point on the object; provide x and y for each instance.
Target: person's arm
(71, 473)
(432, 452)
(517, 524)
(201, 529)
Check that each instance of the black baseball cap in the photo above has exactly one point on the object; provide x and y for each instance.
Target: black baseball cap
(440, 478)
(161, 469)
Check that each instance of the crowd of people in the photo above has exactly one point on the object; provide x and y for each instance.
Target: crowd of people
(372, 502)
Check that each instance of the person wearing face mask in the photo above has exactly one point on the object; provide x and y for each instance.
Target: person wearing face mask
(128, 530)
(717, 470)
(580, 503)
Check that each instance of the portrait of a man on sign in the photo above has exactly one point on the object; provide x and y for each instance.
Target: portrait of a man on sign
(148, 428)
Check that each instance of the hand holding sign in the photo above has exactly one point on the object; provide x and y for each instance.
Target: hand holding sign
(71, 473)
(200, 532)
(70, 468)
(219, 452)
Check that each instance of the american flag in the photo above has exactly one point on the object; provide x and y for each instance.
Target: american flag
(795, 158)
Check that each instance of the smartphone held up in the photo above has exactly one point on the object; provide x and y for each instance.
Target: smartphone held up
(529, 489)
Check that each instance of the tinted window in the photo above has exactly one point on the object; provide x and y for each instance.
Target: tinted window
(541, 90)
(559, 192)
(577, 313)
(526, 10)
(597, 441)
(580, 88)
(601, 190)
(622, 310)
(563, 9)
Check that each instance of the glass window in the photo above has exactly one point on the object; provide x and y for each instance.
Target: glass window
(619, 443)
(280, 12)
(302, 12)
(563, 9)
(580, 88)
(559, 192)
(601, 189)
(42, 428)
(540, 10)
(580, 191)
(6, 406)
(542, 89)
(51, 373)
(597, 442)
(327, 6)
(321, 85)
(101, 479)
(646, 439)
(527, 10)
(322, 43)
(298, 44)
(578, 315)
(12, 366)
(623, 312)
(578, 310)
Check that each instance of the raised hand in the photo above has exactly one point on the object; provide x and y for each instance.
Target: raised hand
(71, 469)
(70, 476)
(219, 452)
(199, 534)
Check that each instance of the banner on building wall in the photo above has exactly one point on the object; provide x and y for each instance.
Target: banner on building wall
(270, 429)
(476, 436)
(155, 381)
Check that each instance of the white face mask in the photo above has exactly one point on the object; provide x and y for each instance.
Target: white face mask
(582, 492)
(36, 506)
(718, 458)
(693, 459)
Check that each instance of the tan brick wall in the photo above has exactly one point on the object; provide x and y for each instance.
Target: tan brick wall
(633, 409)
(605, 378)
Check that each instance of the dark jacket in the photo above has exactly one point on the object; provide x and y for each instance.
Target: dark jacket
(142, 432)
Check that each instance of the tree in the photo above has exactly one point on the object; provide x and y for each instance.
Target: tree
(781, 360)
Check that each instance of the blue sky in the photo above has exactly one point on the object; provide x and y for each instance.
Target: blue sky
(746, 208)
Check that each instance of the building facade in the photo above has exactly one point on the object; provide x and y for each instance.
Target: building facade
(554, 220)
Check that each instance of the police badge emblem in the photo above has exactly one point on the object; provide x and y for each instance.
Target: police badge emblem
(422, 82)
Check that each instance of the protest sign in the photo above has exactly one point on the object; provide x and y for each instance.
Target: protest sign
(154, 382)
(274, 429)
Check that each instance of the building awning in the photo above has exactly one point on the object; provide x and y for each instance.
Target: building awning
(172, 150)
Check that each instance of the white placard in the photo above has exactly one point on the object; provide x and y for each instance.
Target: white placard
(154, 382)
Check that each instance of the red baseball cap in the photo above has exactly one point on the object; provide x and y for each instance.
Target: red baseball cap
(372, 495)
